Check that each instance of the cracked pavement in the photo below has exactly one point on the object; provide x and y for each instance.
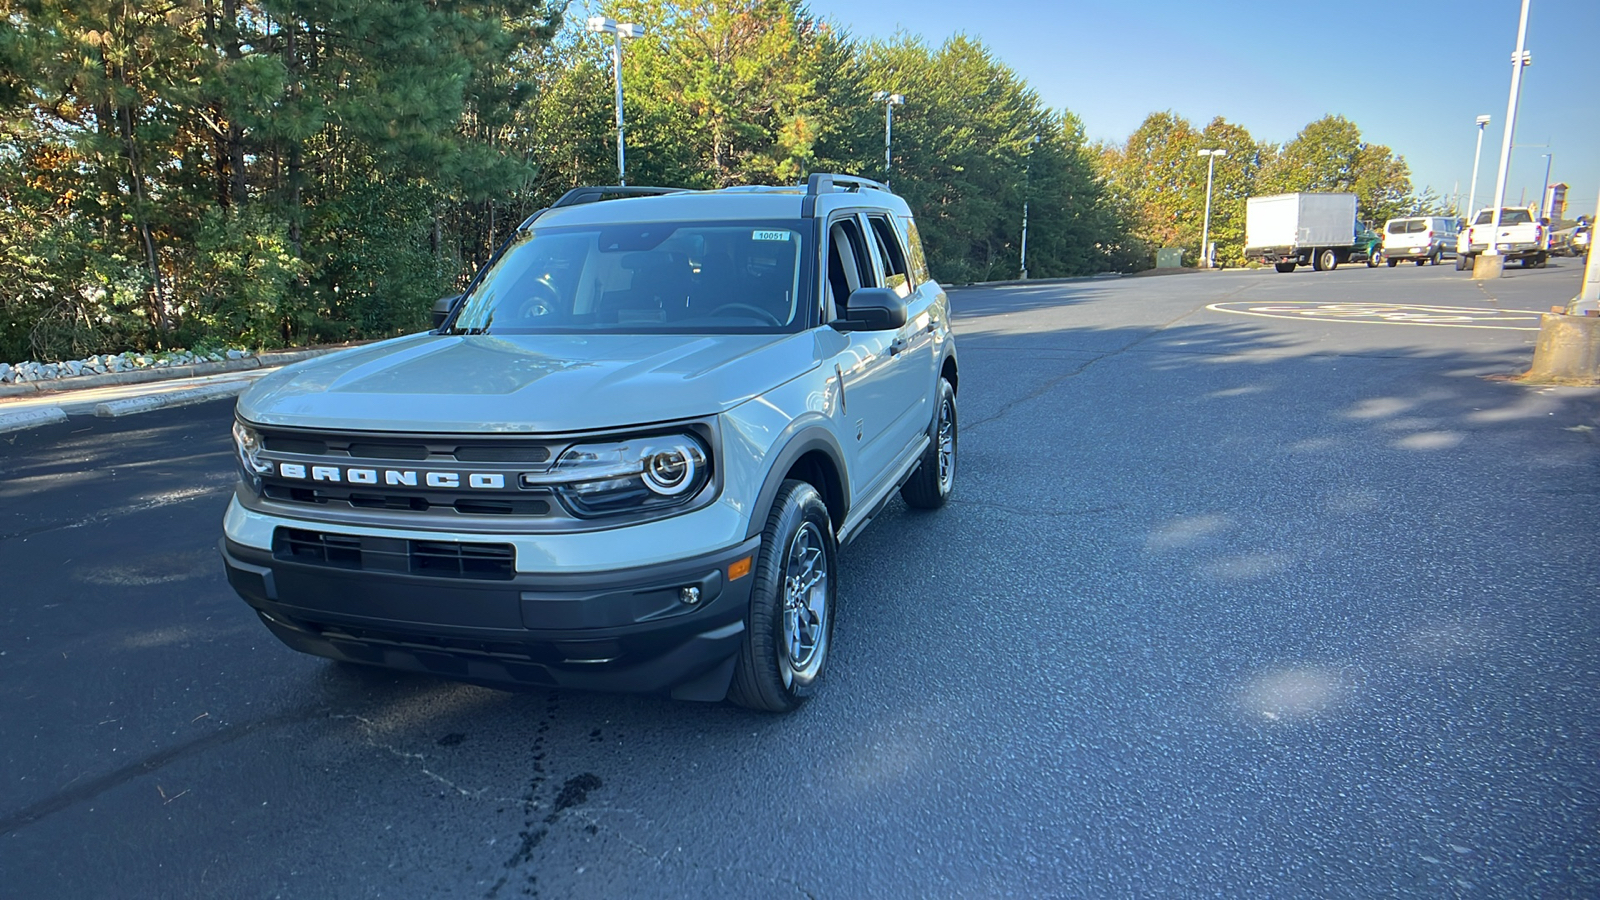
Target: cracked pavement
(1224, 605)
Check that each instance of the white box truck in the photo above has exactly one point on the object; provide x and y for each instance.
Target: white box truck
(1316, 230)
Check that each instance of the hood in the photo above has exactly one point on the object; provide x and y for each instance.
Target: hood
(526, 383)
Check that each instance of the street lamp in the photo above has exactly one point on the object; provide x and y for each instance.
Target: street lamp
(1205, 230)
(1472, 193)
(608, 25)
(1520, 59)
(889, 101)
(1544, 205)
(1027, 173)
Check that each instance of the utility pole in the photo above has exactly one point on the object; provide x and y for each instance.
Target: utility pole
(618, 31)
(1491, 264)
(1027, 174)
(1589, 295)
(1472, 192)
(1544, 195)
(1205, 230)
(889, 101)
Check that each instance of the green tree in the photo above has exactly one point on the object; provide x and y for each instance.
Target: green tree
(732, 83)
(1329, 155)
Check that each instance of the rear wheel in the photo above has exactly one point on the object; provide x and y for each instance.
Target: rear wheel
(1434, 259)
(1393, 262)
(1283, 267)
(1326, 261)
(1541, 260)
(1463, 262)
(930, 485)
(1420, 261)
(790, 624)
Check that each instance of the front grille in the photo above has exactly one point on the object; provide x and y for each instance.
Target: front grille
(533, 504)
(409, 458)
(437, 449)
(438, 559)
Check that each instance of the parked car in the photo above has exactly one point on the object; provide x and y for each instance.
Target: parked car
(1523, 237)
(1419, 239)
(1572, 240)
(625, 459)
(1367, 247)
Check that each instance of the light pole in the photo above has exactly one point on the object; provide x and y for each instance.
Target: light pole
(1492, 263)
(1472, 192)
(889, 101)
(618, 31)
(1205, 230)
(1544, 205)
(1027, 173)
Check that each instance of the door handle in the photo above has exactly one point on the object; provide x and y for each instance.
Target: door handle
(897, 345)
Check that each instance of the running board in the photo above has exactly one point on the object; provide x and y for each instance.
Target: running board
(854, 525)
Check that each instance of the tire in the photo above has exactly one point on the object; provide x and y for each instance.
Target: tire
(1325, 260)
(1392, 262)
(1434, 259)
(929, 486)
(1373, 260)
(1284, 267)
(1420, 261)
(1463, 262)
(1541, 260)
(790, 625)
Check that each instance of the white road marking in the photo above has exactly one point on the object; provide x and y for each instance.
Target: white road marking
(1388, 314)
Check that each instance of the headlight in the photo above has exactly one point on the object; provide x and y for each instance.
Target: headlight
(635, 475)
(248, 445)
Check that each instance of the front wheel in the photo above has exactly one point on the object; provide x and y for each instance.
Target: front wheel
(1393, 262)
(929, 486)
(790, 624)
(1372, 260)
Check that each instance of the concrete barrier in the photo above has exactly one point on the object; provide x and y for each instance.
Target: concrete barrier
(1568, 351)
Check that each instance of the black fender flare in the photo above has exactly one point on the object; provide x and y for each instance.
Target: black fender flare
(805, 438)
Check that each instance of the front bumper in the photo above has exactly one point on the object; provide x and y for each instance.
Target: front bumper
(623, 630)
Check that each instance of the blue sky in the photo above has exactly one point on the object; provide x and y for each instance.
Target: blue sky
(1412, 76)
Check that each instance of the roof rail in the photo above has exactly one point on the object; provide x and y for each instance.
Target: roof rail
(609, 191)
(827, 182)
(596, 193)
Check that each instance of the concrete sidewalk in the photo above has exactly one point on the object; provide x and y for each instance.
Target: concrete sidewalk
(41, 403)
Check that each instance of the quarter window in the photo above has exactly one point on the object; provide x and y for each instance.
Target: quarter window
(919, 262)
(895, 272)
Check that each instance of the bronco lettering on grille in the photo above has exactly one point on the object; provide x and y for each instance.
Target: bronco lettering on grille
(482, 481)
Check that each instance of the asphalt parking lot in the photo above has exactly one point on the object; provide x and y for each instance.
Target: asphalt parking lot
(1253, 585)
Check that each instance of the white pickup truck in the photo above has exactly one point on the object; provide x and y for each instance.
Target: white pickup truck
(1522, 236)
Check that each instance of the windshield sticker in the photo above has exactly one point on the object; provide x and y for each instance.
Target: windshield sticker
(770, 235)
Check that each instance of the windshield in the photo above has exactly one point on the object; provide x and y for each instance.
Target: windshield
(645, 278)
(1507, 217)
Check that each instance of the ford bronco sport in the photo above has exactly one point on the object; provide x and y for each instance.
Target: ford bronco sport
(624, 459)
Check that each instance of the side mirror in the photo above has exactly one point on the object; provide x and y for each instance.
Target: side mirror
(441, 310)
(873, 309)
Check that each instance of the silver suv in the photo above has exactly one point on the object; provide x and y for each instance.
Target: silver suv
(625, 459)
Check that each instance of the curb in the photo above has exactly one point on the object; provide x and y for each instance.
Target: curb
(31, 418)
(141, 376)
(131, 405)
(1036, 281)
